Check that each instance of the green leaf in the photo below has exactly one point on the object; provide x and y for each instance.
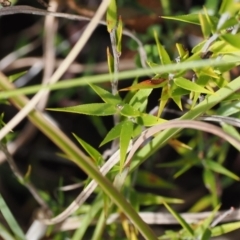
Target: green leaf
(12, 223)
(148, 199)
(95, 155)
(110, 61)
(163, 55)
(216, 167)
(182, 170)
(191, 86)
(149, 120)
(112, 134)
(95, 109)
(232, 21)
(229, 6)
(222, 47)
(211, 185)
(129, 111)
(231, 39)
(125, 137)
(230, 130)
(177, 91)
(206, 234)
(189, 18)
(111, 15)
(106, 96)
(201, 204)
(228, 109)
(205, 26)
(183, 53)
(133, 198)
(165, 95)
(177, 100)
(119, 35)
(5, 234)
(151, 180)
(181, 221)
(140, 99)
(225, 228)
(147, 84)
(16, 76)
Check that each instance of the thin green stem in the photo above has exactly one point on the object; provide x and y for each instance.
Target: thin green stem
(122, 75)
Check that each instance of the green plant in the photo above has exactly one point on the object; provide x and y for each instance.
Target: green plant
(208, 95)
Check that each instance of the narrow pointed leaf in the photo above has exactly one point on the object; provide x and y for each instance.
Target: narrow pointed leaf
(183, 53)
(95, 109)
(128, 111)
(140, 99)
(231, 130)
(225, 228)
(164, 99)
(149, 120)
(211, 185)
(119, 35)
(229, 7)
(181, 221)
(189, 18)
(112, 134)
(16, 76)
(95, 155)
(147, 199)
(191, 86)
(163, 55)
(106, 96)
(216, 167)
(205, 26)
(177, 100)
(147, 84)
(231, 39)
(112, 15)
(9, 218)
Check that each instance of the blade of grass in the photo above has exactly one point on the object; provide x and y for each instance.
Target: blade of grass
(11, 220)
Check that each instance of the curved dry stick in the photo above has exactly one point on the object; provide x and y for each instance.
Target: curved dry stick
(206, 127)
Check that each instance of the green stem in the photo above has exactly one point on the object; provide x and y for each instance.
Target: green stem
(191, 63)
(78, 157)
